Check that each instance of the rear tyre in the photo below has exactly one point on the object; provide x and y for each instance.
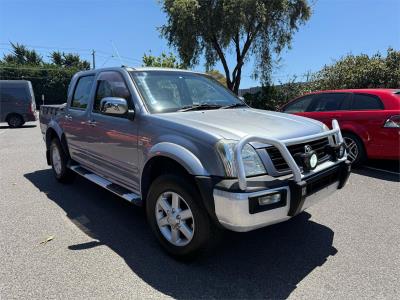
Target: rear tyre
(59, 161)
(177, 217)
(15, 121)
(355, 149)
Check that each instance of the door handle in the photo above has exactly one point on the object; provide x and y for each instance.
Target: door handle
(68, 117)
(91, 123)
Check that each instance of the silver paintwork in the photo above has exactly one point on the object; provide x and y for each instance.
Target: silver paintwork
(118, 150)
(232, 209)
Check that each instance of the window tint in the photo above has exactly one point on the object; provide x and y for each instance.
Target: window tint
(364, 101)
(12, 94)
(330, 102)
(299, 105)
(110, 84)
(82, 92)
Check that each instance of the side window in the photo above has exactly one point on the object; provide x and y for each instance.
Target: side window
(299, 105)
(13, 94)
(81, 95)
(330, 102)
(366, 102)
(110, 84)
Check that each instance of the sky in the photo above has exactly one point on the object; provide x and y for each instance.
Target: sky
(129, 28)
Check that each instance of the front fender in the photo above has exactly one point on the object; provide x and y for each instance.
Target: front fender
(181, 155)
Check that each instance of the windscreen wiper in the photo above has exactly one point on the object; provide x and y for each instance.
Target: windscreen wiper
(199, 107)
(234, 105)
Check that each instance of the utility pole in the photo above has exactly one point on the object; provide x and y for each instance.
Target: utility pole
(93, 59)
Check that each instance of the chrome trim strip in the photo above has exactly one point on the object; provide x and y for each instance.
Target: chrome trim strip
(282, 147)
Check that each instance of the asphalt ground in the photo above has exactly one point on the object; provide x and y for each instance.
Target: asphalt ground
(346, 247)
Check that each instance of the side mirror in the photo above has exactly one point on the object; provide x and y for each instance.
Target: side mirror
(113, 106)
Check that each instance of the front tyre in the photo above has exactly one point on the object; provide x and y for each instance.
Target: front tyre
(177, 217)
(355, 149)
(59, 161)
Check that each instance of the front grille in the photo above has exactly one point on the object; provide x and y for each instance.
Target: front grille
(280, 164)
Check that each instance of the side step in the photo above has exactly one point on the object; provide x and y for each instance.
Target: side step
(112, 187)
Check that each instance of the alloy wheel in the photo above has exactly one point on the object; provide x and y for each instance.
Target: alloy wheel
(174, 219)
(352, 149)
(56, 160)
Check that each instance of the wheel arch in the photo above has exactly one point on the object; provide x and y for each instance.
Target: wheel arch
(156, 166)
(12, 114)
(55, 132)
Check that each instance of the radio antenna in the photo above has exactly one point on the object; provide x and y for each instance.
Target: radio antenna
(116, 51)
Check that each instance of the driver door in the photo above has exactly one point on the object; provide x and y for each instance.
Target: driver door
(114, 151)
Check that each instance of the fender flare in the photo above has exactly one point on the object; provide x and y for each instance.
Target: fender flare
(181, 155)
(54, 126)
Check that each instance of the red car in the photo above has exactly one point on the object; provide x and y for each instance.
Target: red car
(369, 119)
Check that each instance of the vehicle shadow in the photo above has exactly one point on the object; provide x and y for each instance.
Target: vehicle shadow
(377, 174)
(24, 126)
(388, 170)
(267, 263)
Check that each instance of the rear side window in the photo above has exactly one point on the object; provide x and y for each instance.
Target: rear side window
(81, 95)
(366, 102)
(13, 94)
(110, 84)
(299, 105)
(330, 102)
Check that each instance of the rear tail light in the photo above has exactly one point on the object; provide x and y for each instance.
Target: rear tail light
(392, 122)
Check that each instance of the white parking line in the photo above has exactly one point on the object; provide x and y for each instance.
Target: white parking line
(382, 170)
(2, 131)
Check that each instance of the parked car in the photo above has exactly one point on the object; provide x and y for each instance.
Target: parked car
(369, 119)
(17, 102)
(196, 156)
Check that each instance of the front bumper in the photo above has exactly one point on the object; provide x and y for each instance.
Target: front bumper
(240, 210)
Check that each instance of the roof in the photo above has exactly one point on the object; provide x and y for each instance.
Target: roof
(93, 71)
(369, 91)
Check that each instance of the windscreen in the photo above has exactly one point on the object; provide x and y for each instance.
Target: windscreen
(172, 91)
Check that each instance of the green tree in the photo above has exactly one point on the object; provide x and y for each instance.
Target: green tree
(217, 75)
(349, 72)
(214, 28)
(163, 61)
(48, 78)
(20, 55)
(68, 60)
(360, 71)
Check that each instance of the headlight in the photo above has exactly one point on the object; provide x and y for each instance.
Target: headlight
(252, 162)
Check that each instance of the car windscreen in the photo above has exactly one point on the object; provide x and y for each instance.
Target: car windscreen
(169, 91)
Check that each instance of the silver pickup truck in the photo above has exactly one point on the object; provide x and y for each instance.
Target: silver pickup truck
(191, 152)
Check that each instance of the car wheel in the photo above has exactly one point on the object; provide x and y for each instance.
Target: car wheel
(177, 217)
(15, 121)
(59, 161)
(355, 149)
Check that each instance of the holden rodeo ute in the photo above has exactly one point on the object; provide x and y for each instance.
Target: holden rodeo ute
(191, 152)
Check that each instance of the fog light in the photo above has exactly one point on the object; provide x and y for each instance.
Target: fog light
(313, 161)
(269, 199)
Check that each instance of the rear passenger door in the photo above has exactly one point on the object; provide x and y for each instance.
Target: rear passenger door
(113, 153)
(76, 116)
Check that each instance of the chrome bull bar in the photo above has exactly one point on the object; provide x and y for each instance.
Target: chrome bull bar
(282, 147)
